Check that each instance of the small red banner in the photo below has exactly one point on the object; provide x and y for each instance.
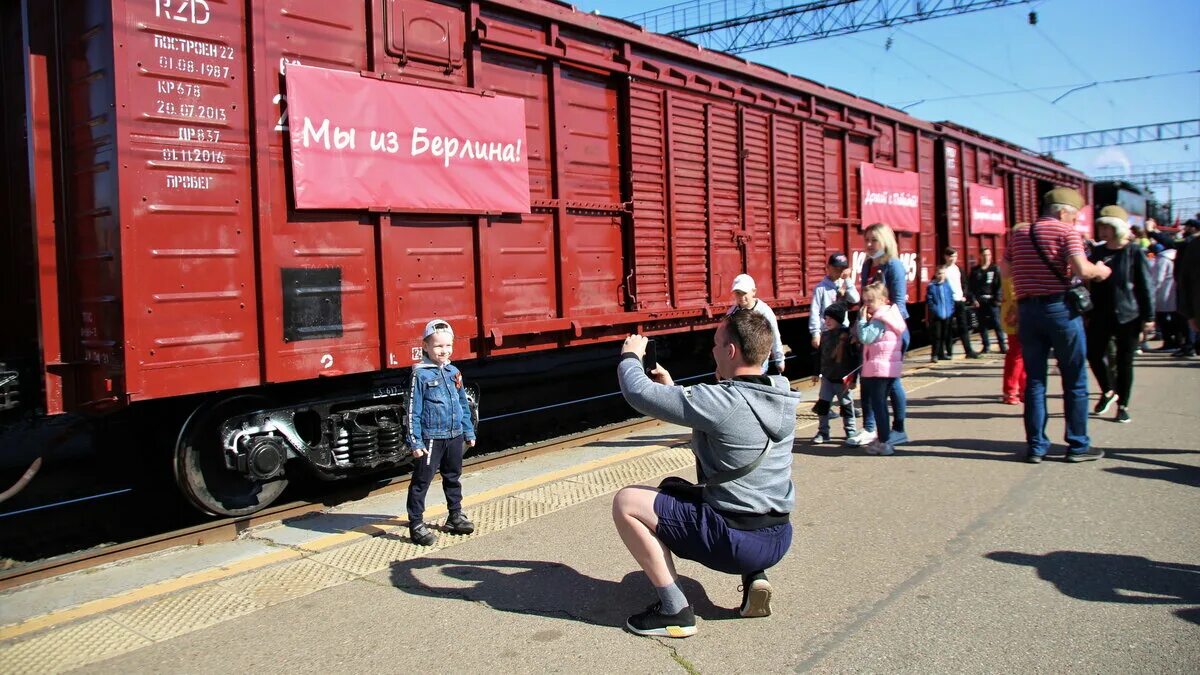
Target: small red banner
(890, 197)
(1083, 222)
(362, 143)
(986, 209)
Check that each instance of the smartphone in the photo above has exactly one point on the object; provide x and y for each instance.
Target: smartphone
(650, 360)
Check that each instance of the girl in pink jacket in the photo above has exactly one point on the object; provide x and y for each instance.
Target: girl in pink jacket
(880, 327)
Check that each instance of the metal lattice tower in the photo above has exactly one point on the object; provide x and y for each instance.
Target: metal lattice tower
(1166, 131)
(739, 26)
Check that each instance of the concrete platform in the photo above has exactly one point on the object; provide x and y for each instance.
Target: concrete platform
(920, 562)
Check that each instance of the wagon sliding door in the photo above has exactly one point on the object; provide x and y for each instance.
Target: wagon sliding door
(319, 306)
(562, 267)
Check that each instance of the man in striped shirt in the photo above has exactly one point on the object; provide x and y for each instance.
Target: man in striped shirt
(1047, 321)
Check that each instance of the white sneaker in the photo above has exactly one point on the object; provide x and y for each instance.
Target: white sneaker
(898, 438)
(820, 438)
(861, 438)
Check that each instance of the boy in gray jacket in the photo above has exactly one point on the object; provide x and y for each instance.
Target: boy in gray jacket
(740, 526)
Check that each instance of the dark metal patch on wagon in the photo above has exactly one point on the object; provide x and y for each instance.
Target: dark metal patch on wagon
(312, 303)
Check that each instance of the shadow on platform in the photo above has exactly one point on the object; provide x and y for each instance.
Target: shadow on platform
(1108, 577)
(952, 448)
(543, 588)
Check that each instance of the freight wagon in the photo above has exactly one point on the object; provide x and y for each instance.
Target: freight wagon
(200, 222)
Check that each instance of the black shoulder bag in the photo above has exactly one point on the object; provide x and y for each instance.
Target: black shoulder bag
(1077, 297)
(685, 490)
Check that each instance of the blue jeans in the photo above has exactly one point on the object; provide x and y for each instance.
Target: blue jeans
(874, 402)
(896, 393)
(1046, 324)
(989, 317)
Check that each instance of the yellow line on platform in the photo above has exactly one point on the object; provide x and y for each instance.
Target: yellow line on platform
(161, 588)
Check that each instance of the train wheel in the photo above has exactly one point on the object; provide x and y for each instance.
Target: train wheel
(200, 469)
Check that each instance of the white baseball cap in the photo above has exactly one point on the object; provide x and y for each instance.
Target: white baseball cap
(743, 283)
(437, 326)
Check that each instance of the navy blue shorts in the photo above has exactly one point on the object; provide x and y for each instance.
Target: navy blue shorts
(697, 532)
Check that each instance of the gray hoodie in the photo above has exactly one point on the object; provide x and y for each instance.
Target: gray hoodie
(726, 433)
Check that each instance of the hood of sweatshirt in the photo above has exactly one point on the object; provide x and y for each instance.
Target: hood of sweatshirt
(773, 405)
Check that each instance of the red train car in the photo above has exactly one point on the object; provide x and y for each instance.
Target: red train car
(159, 250)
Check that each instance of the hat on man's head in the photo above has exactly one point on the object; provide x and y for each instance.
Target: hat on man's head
(743, 283)
(1192, 223)
(839, 260)
(836, 311)
(437, 326)
(1063, 195)
(1114, 211)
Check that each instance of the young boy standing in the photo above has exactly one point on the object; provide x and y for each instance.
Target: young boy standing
(439, 431)
(835, 287)
(838, 359)
(939, 310)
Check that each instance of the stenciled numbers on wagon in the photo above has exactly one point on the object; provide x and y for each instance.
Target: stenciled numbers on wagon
(201, 155)
(187, 11)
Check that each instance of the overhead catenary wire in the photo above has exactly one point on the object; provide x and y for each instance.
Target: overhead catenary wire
(1050, 87)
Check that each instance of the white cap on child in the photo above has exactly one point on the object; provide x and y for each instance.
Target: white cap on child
(437, 326)
(743, 283)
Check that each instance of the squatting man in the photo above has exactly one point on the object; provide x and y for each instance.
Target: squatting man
(736, 519)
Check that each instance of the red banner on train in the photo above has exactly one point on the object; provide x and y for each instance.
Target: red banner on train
(986, 212)
(890, 197)
(362, 143)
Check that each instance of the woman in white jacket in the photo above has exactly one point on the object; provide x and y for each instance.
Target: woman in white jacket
(1170, 324)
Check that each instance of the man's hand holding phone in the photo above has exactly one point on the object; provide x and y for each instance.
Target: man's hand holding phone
(646, 350)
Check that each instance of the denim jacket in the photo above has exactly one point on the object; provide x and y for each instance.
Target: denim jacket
(437, 404)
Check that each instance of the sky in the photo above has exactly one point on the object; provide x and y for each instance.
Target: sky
(939, 67)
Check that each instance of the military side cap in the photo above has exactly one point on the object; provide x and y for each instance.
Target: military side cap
(1114, 211)
(1063, 195)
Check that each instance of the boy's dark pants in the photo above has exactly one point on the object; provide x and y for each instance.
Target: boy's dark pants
(447, 456)
(942, 337)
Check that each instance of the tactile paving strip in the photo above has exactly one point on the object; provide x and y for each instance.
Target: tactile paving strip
(185, 612)
(280, 583)
(70, 647)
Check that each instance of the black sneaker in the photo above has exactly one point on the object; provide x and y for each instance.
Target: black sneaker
(974, 355)
(653, 623)
(1003, 349)
(1087, 456)
(756, 595)
(1123, 415)
(457, 523)
(1104, 404)
(421, 535)
(1033, 459)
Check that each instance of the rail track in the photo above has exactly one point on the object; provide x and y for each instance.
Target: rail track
(228, 529)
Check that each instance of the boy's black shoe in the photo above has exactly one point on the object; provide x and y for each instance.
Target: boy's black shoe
(1031, 458)
(974, 355)
(1104, 404)
(457, 523)
(421, 535)
(756, 595)
(1123, 415)
(1091, 454)
(654, 623)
